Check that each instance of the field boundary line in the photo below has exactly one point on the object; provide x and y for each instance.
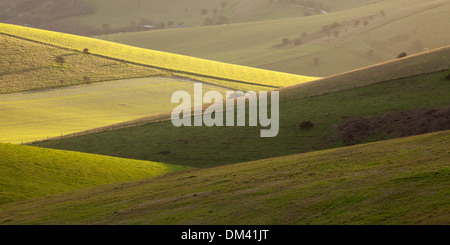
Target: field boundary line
(145, 65)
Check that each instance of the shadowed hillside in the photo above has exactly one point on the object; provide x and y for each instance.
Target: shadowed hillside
(402, 181)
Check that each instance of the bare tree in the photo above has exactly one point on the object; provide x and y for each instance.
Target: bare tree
(60, 60)
(402, 54)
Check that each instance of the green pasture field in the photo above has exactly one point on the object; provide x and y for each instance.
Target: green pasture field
(29, 172)
(400, 181)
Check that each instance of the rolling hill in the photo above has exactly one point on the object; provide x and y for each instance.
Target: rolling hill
(367, 144)
(37, 115)
(341, 41)
(90, 17)
(401, 181)
(28, 172)
(223, 74)
(415, 82)
(28, 65)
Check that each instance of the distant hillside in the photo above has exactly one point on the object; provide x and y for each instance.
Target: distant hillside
(28, 172)
(319, 45)
(403, 181)
(94, 17)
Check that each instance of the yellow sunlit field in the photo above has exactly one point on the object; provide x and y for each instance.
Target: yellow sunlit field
(36, 115)
(179, 63)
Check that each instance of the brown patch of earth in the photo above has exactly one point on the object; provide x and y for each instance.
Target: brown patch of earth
(394, 125)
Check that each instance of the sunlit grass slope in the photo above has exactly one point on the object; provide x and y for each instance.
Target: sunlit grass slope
(27, 65)
(401, 181)
(205, 147)
(36, 115)
(404, 84)
(27, 172)
(408, 26)
(179, 63)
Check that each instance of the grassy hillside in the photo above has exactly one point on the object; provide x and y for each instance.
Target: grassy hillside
(37, 115)
(229, 75)
(402, 181)
(27, 65)
(97, 16)
(407, 26)
(197, 146)
(28, 172)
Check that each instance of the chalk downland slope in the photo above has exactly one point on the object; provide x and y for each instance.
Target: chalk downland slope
(401, 181)
(26, 65)
(97, 16)
(341, 41)
(28, 172)
(402, 85)
(228, 75)
(37, 115)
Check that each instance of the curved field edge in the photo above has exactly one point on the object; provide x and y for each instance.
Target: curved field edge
(29, 66)
(158, 59)
(57, 112)
(423, 63)
(197, 146)
(401, 181)
(28, 172)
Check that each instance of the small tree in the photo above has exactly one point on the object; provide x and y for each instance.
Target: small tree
(60, 60)
(285, 41)
(204, 11)
(86, 51)
(208, 22)
(356, 23)
(306, 125)
(401, 55)
(383, 13)
(298, 42)
(222, 20)
(86, 79)
(336, 33)
(316, 60)
(366, 22)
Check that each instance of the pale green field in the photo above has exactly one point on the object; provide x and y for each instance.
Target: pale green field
(35, 115)
(251, 44)
(241, 75)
